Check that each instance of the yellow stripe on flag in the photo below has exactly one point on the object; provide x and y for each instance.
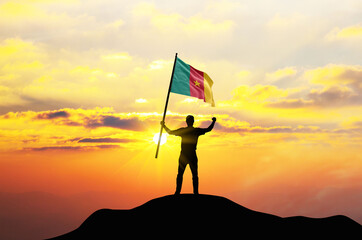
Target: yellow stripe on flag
(209, 98)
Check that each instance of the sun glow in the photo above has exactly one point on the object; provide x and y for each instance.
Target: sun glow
(163, 138)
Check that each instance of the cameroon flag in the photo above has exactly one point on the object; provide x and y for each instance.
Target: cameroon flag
(191, 82)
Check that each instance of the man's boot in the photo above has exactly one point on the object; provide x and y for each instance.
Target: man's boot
(195, 183)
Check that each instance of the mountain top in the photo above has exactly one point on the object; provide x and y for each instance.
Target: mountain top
(201, 215)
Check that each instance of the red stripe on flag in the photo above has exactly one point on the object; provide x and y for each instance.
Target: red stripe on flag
(196, 83)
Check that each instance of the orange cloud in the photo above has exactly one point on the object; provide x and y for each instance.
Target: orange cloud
(342, 88)
(81, 129)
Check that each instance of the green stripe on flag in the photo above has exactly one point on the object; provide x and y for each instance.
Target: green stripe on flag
(181, 78)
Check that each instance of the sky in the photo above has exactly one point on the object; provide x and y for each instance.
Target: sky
(83, 87)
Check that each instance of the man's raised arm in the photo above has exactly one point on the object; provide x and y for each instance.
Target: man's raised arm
(169, 131)
(211, 125)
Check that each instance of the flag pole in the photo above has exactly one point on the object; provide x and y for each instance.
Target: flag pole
(164, 112)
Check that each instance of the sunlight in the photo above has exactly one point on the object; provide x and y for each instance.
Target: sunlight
(163, 138)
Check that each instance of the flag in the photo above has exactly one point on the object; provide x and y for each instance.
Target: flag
(189, 81)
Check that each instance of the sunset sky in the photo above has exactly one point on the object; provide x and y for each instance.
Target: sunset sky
(83, 87)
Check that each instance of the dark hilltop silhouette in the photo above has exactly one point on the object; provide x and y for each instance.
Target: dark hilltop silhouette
(206, 216)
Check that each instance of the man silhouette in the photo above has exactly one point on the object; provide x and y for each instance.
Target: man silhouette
(188, 155)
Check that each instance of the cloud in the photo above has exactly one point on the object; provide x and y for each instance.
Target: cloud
(159, 64)
(29, 18)
(190, 100)
(335, 96)
(72, 148)
(230, 125)
(255, 98)
(141, 100)
(330, 97)
(94, 118)
(258, 93)
(223, 129)
(333, 74)
(341, 87)
(261, 129)
(16, 9)
(105, 140)
(88, 118)
(115, 122)
(55, 114)
(175, 25)
(38, 74)
(18, 50)
(63, 127)
(89, 129)
(357, 124)
(34, 77)
(351, 32)
(280, 74)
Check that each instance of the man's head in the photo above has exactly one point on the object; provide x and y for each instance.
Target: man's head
(190, 120)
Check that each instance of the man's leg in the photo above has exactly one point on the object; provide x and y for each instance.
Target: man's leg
(182, 163)
(195, 177)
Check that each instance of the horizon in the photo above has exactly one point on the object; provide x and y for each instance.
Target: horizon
(83, 86)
